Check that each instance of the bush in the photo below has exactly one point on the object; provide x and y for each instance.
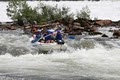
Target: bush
(20, 10)
(84, 13)
(49, 13)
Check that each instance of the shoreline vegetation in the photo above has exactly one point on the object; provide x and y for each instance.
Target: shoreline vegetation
(47, 16)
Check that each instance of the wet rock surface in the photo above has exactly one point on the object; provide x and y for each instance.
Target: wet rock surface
(68, 26)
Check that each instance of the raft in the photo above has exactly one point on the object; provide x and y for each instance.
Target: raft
(49, 46)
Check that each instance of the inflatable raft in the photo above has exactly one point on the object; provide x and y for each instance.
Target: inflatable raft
(49, 46)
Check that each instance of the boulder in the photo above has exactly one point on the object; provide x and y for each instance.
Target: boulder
(116, 33)
(75, 33)
(95, 33)
(104, 35)
(93, 29)
(11, 27)
(103, 22)
(111, 30)
(84, 22)
(76, 24)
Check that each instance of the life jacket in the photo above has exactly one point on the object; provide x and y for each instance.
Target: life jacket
(58, 35)
(59, 39)
(48, 37)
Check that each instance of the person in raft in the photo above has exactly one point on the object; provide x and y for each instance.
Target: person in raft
(49, 36)
(37, 36)
(59, 38)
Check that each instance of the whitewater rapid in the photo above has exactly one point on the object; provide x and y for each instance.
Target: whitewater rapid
(86, 59)
(94, 64)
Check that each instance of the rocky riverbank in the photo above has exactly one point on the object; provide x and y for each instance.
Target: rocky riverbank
(69, 26)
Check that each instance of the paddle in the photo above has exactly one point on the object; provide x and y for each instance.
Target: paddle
(36, 40)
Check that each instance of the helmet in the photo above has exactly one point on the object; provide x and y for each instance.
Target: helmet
(50, 31)
(58, 31)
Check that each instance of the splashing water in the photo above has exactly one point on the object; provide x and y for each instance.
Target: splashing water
(86, 59)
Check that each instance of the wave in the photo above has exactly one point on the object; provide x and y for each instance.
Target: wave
(16, 44)
(89, 58)
(92, 64)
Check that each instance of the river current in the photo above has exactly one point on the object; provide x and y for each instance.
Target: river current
(87, 58)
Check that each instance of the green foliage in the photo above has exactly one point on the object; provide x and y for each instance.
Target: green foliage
(84, 13)
(12, 9)
(19, 10)
(49, 13)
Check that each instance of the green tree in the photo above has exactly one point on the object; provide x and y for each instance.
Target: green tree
(14, 9)
(49, 13)
(84, 13)
(17, 10)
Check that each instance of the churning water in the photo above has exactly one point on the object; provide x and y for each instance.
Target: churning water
(86, 59)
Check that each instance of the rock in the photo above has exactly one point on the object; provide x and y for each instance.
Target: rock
(11, 27)
(28, 27)
(95, 33)
(103, 22)
(84, 22)
(116, 33)
(75, 33)
(104, 35)
(115, 23)
(111, 30)
(76, 24)
(93, 29)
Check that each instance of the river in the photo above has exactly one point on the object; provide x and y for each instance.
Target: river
(88, 58)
